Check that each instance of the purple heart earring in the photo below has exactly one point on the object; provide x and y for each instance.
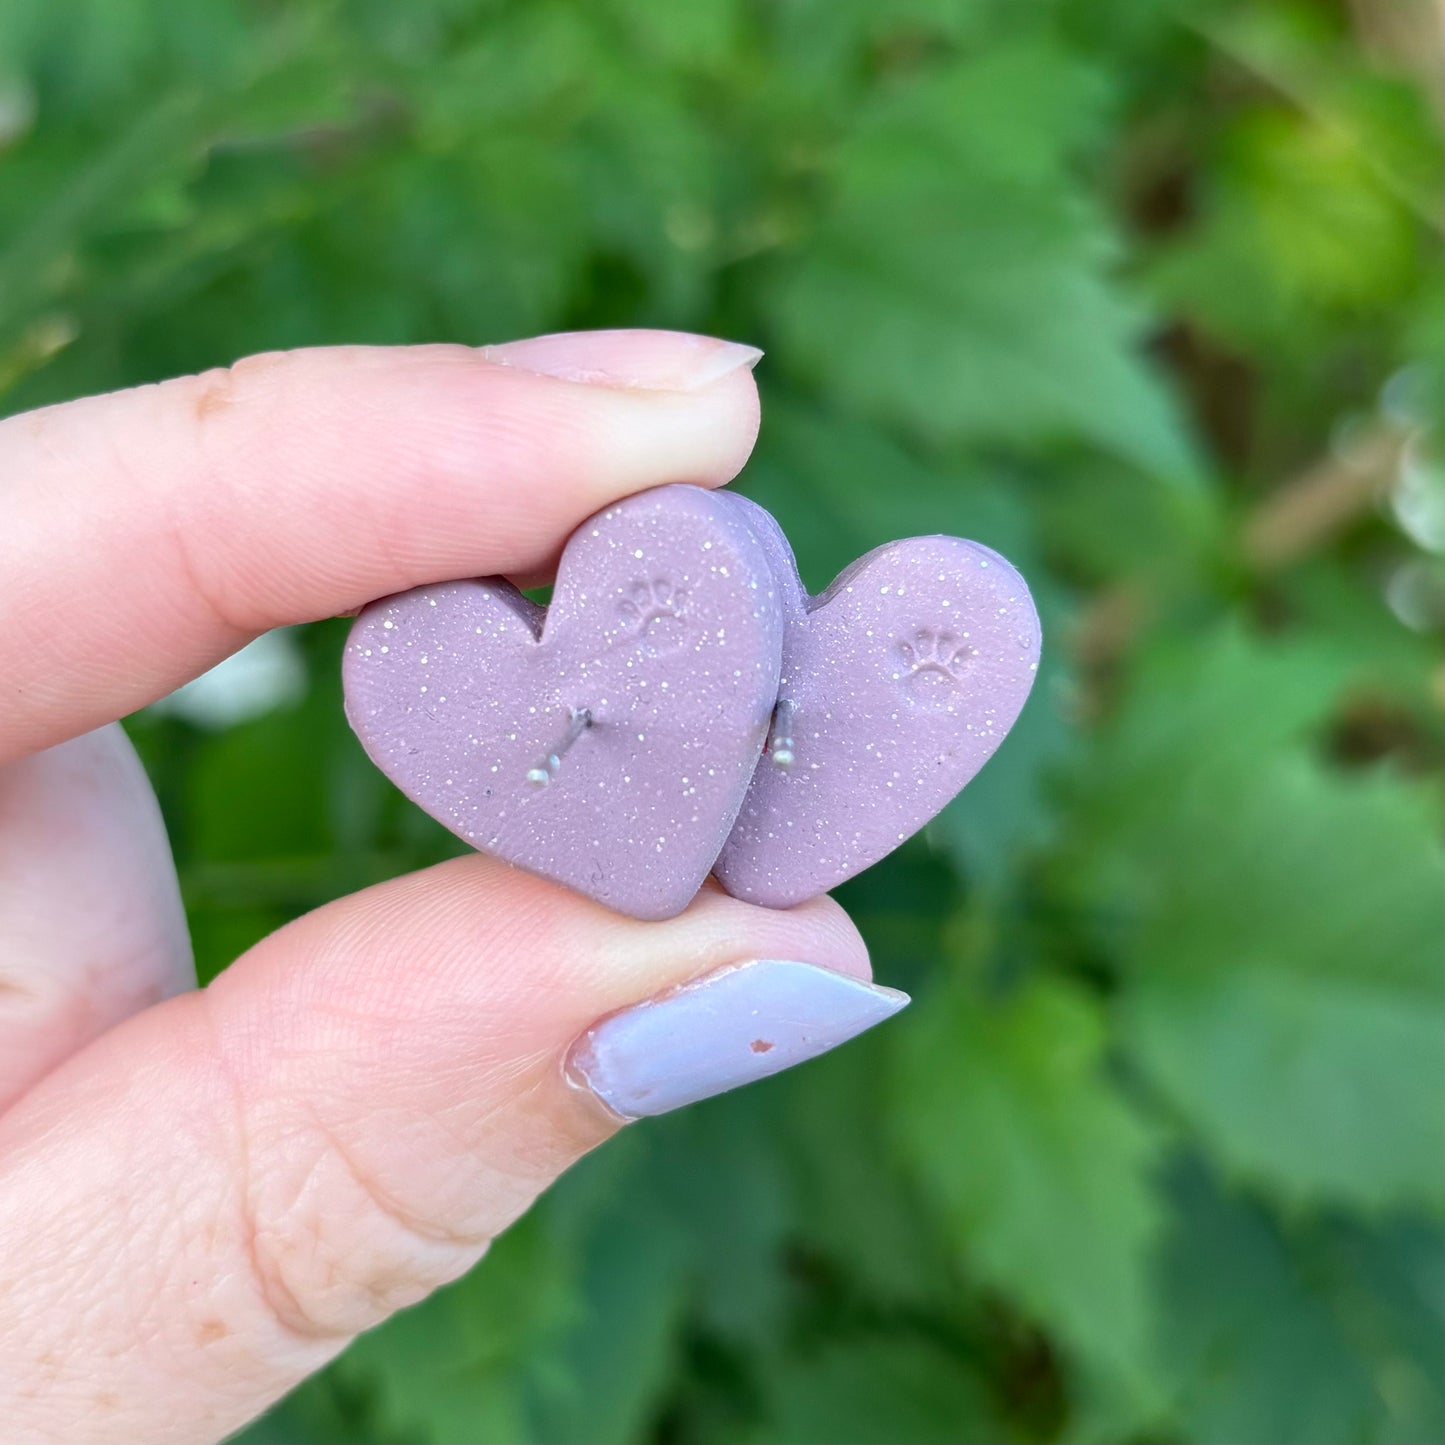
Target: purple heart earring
(897, 685)
(608, 742)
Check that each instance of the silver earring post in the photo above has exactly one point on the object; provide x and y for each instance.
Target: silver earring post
(780, 741)
(545, 771)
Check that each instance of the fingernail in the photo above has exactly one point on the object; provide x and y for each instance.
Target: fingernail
(727, 1028)
(644, 360)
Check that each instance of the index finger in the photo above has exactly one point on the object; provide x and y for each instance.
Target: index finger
(149, 533)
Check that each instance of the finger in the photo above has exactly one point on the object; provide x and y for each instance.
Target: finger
(91, 925)
(214, 1197)
(149, 533)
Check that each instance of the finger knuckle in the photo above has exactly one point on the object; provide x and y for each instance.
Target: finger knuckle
(332, 1249)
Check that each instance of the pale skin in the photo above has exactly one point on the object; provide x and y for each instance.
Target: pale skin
(205, 1194)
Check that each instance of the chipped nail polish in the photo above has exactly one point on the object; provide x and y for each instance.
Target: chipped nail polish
(723, 1030)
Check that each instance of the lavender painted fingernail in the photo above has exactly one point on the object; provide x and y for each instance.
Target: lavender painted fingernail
(725, 1029)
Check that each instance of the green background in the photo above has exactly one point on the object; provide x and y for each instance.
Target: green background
(1146, 295)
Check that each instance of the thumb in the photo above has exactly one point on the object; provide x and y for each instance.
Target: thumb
(222, 1191)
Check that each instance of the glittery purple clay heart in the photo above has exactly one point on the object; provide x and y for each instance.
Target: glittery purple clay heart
(898, 684)
(608, 742)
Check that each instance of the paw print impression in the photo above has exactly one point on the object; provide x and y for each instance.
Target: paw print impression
(934, 663)
(653, 613)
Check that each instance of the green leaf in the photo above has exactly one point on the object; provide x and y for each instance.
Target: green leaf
(1036, 1167)
(1219, 698)
(1387, 1287)
(601, 1380)
(256, 791)
(722, 1172)
(703, 34)
(883, 1387)
(859, 1193)
(1248, 1350)
(1280, 1337)
(1279, 927)
(840, 486)
(1314, 213)
(1321, 1089)
(957, 282)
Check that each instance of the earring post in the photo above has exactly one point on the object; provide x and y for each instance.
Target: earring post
(780, 741)
(545, 771)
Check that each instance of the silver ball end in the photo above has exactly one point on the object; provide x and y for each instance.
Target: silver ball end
(539, 777)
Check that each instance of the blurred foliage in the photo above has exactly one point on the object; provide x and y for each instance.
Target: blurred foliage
(1146, 294)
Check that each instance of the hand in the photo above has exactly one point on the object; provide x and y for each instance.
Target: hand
(205, 1194)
